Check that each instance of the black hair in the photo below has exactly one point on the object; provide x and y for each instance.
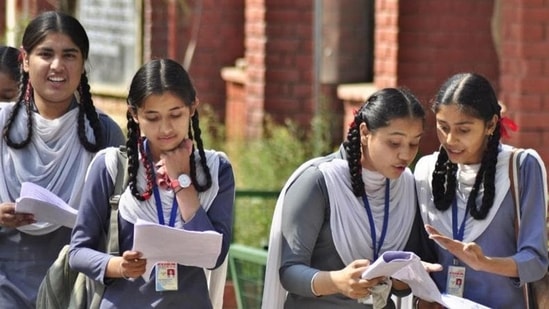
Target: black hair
(36, 31)
(377, 112)
(9, 62)
(475, 96)
(155, 78)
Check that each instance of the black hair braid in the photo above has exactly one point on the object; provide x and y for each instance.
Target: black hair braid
(132, 148)
(353, 149)
(487, 176)
(444, 181)
(87, 108)
(24, 100)
(197, 137)
(133, 155)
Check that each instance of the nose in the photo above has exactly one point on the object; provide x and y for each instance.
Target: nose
(406, 154)
(56, 63)
(166, 126)
(450, 139)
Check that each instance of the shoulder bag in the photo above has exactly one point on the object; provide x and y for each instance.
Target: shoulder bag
(63, 287)
(537, 292)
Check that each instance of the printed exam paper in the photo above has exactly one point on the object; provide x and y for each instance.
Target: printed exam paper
(407, 267)
(161, 243)
(44, 205)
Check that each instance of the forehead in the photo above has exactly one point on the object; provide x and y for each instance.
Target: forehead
(161, 103)
(405, 127)
(57, 41)
(453, 113)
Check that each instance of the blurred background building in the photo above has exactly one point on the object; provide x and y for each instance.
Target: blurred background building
(296, 59)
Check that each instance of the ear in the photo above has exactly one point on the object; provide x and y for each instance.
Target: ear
(133, 112)
(194, 106)
(363, 129)
(491, 126)
(25, 59)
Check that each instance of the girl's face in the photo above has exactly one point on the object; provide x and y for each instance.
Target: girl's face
(55, 67)
(164, 120)
(463, 136)
(389, 150)
(8, 88)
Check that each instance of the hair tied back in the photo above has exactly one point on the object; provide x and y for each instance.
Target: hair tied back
(505, 125)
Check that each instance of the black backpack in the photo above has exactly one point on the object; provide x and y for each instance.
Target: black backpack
(63, 287)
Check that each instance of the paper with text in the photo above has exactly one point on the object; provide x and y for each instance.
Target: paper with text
(407, 267)
(44, 205)
(161, 243)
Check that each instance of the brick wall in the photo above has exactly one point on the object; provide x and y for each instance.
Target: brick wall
(219, 40)
(421, 43)
(524, 65)
(2, 21)
(289, 60)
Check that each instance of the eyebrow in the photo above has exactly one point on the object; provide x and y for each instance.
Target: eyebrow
(170, 110)
(456, 124)
(402, 134)
(66, 50)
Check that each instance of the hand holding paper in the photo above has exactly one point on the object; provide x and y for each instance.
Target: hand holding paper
(407, 267)
(45, 205)
(191, 248)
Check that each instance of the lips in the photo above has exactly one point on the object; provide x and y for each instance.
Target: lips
(56, 79)
(453, 151)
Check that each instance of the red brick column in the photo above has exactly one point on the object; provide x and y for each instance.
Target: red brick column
(386, 43)
(255, 54)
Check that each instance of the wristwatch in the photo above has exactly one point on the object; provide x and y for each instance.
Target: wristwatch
(182, 181)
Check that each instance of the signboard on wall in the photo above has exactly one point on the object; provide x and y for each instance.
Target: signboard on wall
(114, 28)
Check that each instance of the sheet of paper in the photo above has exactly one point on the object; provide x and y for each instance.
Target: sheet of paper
(451, 301)
(161, 243)
(407, 267)
(45, 205)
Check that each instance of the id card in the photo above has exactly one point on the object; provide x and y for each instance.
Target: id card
(456, 280)
(166, 276)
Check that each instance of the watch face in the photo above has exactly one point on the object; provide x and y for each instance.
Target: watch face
(184, 180)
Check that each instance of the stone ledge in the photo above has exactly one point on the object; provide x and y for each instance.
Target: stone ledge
(355, 92)
(234, 75)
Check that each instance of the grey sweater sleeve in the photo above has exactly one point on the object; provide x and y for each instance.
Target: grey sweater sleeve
(303, 218)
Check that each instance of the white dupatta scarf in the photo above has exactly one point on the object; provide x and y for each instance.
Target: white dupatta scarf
(54, 159)
(274, 294)
(349, 220)
(131, 209)
(442, 220)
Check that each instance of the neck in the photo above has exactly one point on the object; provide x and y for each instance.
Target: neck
(153, 152)
(52, 110)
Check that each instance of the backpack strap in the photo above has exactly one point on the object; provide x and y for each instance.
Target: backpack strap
(95, 289)
(120, 184)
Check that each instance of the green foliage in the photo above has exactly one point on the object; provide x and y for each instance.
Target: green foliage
(263, 166)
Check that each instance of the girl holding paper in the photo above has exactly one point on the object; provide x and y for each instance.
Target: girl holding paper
(465, 199)
(173, 180)
(50, 135)
(339, 213)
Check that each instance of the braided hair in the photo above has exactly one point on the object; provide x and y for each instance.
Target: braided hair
(37, 30)
(475, 96)
(155, 78)
(377, 112)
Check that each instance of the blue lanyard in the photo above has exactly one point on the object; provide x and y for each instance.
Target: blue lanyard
(378, 246)
(159, 210)
(458, 233)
